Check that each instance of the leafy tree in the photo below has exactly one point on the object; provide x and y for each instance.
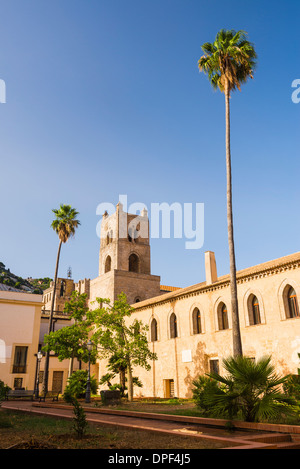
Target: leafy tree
(69, 342)
(64, 224)
(116, 336)
(229, 61)
(251, 390)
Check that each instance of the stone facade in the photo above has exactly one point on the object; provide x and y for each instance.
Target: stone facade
(63, 292)
(268, 297)
(190, 328)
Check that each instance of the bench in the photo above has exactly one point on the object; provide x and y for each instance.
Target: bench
(53, 394)
(19, 393)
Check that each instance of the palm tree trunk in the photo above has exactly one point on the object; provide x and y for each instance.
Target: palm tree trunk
(46, 369)
(236, 334)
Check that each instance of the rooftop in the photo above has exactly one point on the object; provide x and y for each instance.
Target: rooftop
(250, 271)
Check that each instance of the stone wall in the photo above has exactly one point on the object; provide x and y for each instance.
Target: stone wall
(183, 358)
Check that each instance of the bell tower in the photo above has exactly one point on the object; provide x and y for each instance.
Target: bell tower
(124, 243)
(124, 258)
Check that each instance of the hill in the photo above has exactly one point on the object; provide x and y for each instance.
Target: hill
(29, 285)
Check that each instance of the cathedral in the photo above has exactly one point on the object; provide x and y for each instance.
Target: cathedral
(189, 328)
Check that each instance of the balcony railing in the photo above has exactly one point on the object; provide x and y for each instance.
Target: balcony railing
(19, 369)
(62, 314)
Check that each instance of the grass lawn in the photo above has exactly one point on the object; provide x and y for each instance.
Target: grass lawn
(40, 432)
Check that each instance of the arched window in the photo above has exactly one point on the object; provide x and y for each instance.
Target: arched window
(153, 330)
(133, 263)
(109, 237)
(292, 304)
(196, 321)
(222, 317)
(131, 234)
(254, 311)
(107, 264)
(173, 326)
(62, 288)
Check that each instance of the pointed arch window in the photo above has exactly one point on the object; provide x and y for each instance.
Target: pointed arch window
(62, 288)
(173, 326)
(292, 303)
(222, 317)
(109, 237)
(196, 321)
(254, 311)
(107, 264)
(153, 330)
(133, 263)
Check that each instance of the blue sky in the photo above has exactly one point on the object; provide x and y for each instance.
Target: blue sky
(103, 97)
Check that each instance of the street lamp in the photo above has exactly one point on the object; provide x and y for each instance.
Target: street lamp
(39, 357)
(89, 347)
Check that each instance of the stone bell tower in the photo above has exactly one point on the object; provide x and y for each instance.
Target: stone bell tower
(124, 258)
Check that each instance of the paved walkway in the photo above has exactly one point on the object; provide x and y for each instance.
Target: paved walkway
(238, 439)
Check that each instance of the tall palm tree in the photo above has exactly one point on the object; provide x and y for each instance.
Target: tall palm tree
(229, 61)
(64, 225)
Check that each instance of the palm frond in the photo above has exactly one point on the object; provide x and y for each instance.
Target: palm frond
(65, 222)
(230, 60)
(250, 389)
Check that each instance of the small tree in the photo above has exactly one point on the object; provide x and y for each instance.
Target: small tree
(117, 337)
(69, 342)
(79, 421)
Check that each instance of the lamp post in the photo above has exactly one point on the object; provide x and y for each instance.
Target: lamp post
(39, 357)
(89, 347)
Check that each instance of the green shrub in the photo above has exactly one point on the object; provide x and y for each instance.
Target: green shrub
(203, 388)
(3, 390)
(292, 386)
(77, 385)
(251, 391)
